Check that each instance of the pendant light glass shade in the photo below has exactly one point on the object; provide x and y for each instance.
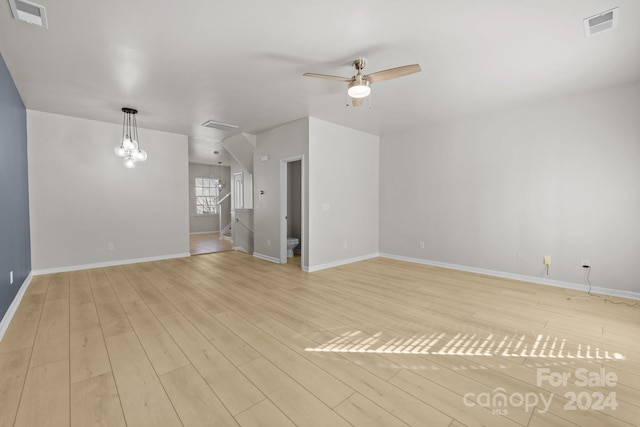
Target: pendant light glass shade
(139, 155)
(220, 181)
(129, 162)
(129, 144)
(129, 148)
(120, 151)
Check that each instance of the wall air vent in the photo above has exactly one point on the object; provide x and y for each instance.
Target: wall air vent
(29, 12)
(601, 22)
(218, 125)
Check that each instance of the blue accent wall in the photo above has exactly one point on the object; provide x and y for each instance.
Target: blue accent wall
(15, 248)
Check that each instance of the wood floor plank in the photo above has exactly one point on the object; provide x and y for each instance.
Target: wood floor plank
(38, 285)
(323, 385)
(235, 391)
(397, 401)
(144, 401)
(362, 412)
(113, 319)
(377, 364)
(264, 414)
(59, 286)
(45, 398)
(449, 402)
(95, 402)
(98, 278)
(549, 420)
(52, 339)
(163, 352)
(194, 401)
(290, 397)
(79, 288)
(157, 303)
(229, 344)
(88, 352)
(13, 372)
(121, 285)
(21, 333)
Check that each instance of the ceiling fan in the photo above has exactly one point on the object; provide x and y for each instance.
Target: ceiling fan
(359, 85)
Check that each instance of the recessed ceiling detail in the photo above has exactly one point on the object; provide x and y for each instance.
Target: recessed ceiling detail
(604, 21)
(29, 12)
(217, 125)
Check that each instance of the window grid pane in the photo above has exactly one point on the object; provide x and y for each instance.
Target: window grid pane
(205, 189)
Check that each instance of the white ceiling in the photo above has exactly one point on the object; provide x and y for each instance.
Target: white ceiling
(181, 63)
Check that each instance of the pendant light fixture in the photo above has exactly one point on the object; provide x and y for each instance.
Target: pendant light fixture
(220, 183)
(129, 148)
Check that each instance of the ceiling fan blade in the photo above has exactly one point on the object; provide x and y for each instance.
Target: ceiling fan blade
(356, 102)
(327, 77)
(393, 73)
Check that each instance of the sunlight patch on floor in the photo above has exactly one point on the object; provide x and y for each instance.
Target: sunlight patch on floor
(466, 344)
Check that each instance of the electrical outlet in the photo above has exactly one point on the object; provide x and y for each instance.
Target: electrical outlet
(11, 277)
(421, 244)
(268, 242)
(345, 244)
(110, 246)
(547, 260)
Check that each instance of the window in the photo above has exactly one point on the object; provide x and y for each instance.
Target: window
(206, 196)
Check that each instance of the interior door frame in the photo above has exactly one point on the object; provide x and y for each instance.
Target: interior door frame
(283, 207)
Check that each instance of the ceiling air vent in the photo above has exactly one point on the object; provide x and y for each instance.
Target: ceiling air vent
(29, 12)
(218, 125)
(601, 22)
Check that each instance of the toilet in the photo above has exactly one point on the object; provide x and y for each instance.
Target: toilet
(292, 242)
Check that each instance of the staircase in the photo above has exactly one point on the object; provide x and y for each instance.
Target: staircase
(241, 147)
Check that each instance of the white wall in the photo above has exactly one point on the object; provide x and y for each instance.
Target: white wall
(288, 140)
(82, 197)
(501, 190)
(343, 177)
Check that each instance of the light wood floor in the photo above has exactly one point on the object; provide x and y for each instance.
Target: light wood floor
(227, 339)
(206, 243)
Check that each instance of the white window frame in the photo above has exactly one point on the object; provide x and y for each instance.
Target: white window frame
(206, 204)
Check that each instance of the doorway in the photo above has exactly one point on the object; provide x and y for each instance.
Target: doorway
(207, 187)
(292, 202)
(206, 243)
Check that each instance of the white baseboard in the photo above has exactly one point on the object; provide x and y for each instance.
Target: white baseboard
(319, 267)
(11, 311)
(266, 257)
(107, 264)
(241, 249)
(521, 277)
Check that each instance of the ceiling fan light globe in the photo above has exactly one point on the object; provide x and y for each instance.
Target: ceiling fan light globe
(359, 90)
